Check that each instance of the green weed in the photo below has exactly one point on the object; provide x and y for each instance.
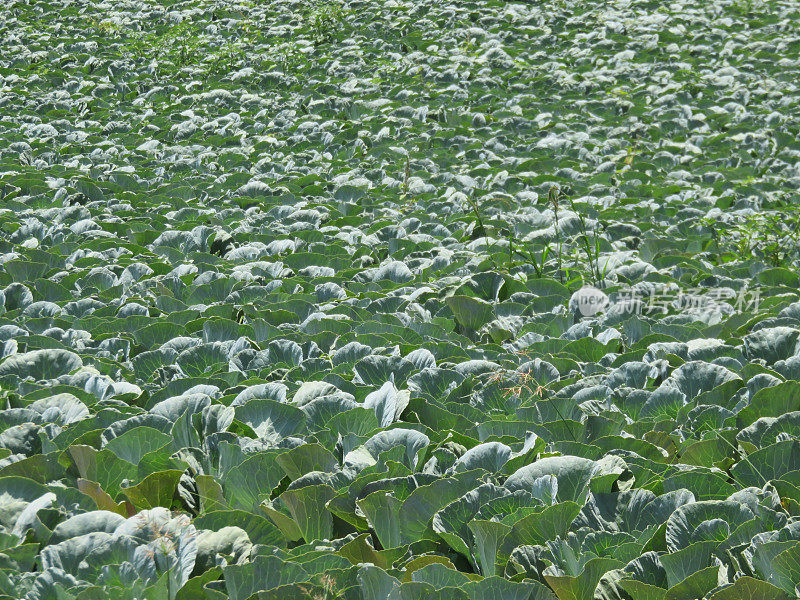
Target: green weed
(771, 237)
(592, 248)
(552, 198)
(324, 21)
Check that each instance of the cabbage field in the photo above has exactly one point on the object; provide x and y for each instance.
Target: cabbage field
(399, 300)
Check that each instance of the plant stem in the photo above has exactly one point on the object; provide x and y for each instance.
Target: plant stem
(552, 196)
